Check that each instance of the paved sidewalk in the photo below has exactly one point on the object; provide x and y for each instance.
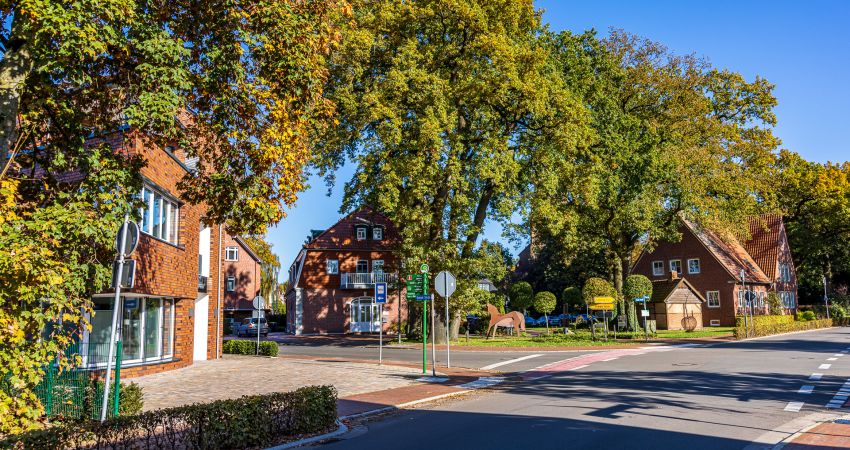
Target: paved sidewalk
(829, 435)
(234, 376)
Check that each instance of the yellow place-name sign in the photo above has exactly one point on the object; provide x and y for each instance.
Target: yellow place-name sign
(603, 300)
(601, 307)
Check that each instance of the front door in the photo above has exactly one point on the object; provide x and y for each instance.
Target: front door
(201, 324)
(365, 315)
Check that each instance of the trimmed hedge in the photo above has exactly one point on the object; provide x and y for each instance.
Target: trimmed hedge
(768, 325)
(254, 421)
(236, 347)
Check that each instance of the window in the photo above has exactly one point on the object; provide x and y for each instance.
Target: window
(378, 265)
(676, 266)
(160, 217)
(332, 266)
(693, 265)
(362, 266)
(785, 272)
(230, 284)
(361, 233)
(147, 329)
(788, 300)
(658, 268)
(231, 254)
(377, 233)
(713, 298)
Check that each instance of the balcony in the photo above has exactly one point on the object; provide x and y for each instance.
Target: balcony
(365, 280)
(202, 283)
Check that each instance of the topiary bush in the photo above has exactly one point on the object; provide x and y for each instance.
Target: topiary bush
(805, 316)
(521, 296)
(597, 287)
(247, 347)
(252, 421)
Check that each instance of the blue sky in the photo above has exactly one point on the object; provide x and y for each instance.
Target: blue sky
(801, 47)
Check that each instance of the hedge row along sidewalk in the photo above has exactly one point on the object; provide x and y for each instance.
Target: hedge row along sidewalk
(238, 347)
(769, 325)
(247, 422)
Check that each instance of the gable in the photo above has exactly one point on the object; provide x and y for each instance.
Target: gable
(765, 243)
(342, 235)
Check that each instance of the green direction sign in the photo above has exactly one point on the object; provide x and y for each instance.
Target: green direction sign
(423, 268)
(416, 285)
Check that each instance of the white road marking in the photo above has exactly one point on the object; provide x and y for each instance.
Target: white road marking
(579, 367)
(831, 359)
(609, 359)
(824, 366)
(794, 406)
(838, 354)
(806, 389)
(816, 376)
(482, 382)
(510, 361)
(841, 396)
(433, 379)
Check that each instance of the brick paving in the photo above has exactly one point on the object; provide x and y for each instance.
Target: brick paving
(234, 376)
(821, 437)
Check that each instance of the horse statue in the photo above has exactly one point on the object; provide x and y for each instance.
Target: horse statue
(513, 319)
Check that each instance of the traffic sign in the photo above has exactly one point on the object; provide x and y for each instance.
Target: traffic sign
(258, 302)
(416, 284)
(380, 292)
(130, 231)
(642, 299)
(603, 300)
(601, 307)
(423, 268)
(445, 284)
(128, 275)
(423, 297)
(644, 313)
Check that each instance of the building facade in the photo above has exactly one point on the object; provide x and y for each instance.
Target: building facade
(332, 280)
(713, 265)
(241, 277)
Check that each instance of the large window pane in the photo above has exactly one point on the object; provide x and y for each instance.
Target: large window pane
(166, 218)
(131, 329)
(167, 327)
(157, 215)
(146, 211)
(153, 327)
(175, 222)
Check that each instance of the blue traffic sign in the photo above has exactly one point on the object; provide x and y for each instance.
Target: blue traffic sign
(642, 299)
(380, 292)
(423, 297)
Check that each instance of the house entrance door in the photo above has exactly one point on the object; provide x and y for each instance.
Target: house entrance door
(365, 315)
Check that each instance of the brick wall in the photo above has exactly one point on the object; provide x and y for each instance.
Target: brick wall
(247, 273)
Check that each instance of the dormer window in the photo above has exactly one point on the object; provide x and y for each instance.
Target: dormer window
(377, 233)
(360, 233)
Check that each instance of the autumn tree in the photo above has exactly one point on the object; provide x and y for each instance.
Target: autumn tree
(635, 286)
(441, 106)
(672, 137)
(236, 85)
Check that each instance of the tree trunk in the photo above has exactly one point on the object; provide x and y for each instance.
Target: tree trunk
(440, 328)
(15, 67)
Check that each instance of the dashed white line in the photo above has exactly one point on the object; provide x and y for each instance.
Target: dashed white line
(841, 396)
(824, 366)
(816, 376)
(831, 359)
(806, 389)
(482, 382)
(794, 406)
(510, 361)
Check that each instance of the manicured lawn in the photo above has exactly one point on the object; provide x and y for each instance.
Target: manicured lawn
(705, 332)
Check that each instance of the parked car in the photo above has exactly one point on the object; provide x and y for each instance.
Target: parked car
(541, 321)
(530, 321)
(230, 325)
(249, 327)
(554, 321)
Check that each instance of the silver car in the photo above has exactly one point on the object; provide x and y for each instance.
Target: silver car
(249, 327)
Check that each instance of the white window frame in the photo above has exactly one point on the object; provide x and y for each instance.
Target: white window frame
(227, 254)
(659, 265)
(377, 234)
(169, 209)
(708, 298)
(360, 233)
(226, 280)
(699, 266)
(358, 263)
(166, 354)
(678, 272)
(380, 264)
(332, 266)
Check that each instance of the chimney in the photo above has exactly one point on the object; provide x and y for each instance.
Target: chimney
(674, 275)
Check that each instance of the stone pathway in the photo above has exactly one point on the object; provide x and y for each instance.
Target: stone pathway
(234, 376)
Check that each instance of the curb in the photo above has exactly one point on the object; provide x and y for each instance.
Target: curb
(405, 405)
(790, 439)
(341, 429)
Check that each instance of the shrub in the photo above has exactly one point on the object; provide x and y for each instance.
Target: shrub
(248, 347)
(767, 325)
(805, 316)
(774, 303)
(247, 422)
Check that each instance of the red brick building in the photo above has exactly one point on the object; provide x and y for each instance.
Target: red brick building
(332, 280)
(169, 317)
(712, 265)
(241, 277)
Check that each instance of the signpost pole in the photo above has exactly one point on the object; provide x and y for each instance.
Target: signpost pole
(645, 317)
(424, 337)
(433, 338)
(448, 325)
(398, 291)
(259, 323)
(381, 334)
(116, 306)
(825, 298)
(744, 296)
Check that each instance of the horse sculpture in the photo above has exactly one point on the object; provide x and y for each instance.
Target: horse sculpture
(513, 319)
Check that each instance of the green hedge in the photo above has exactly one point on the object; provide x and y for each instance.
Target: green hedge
(768, 325)
(237, 347)
(255, 421)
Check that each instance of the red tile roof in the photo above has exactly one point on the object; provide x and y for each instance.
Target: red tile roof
(731, 254)
(765, 242)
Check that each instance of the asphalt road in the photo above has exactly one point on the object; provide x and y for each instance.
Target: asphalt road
(711, 397)
(367, 349)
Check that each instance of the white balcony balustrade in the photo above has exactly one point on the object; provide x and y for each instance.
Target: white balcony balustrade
(365, 279)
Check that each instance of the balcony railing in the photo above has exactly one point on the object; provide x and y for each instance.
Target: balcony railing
(364, 280)
(202, 283)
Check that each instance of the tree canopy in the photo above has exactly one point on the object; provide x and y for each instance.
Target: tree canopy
(521, 296)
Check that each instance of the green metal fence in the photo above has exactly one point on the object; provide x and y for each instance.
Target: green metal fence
(77, 392)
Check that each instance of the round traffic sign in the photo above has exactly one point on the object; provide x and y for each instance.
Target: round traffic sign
(423, 268)
(258, 302)
(130, 231)
(445, 284)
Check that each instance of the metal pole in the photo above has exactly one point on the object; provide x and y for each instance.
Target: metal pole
(398, 292)
(645, 317)
(825, 298)
(381, 332)
(746, 300)
(425, 337)
(259, 322)
(433, 338)
(448, 343)
(115, 308)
